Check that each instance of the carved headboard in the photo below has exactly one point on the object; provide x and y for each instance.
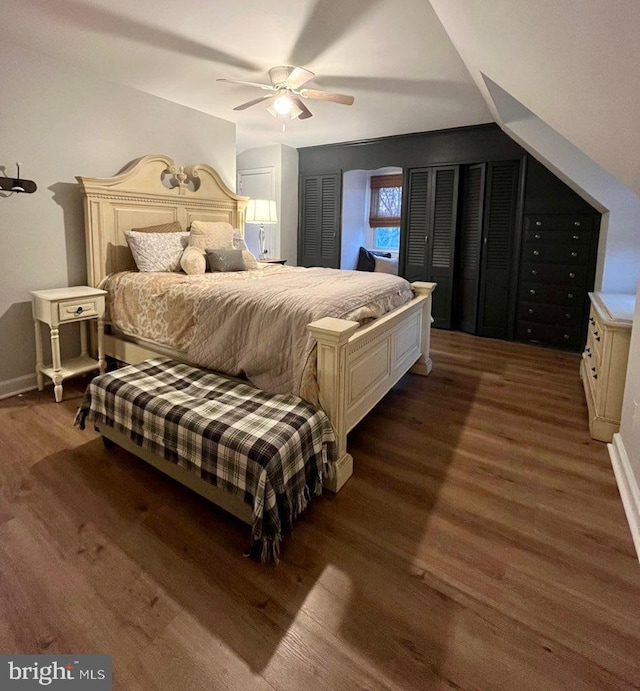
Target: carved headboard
(151, 190)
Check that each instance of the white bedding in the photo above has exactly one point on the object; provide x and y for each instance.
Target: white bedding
(251, 323)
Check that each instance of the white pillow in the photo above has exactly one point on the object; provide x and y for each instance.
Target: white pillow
(193, 260)
(205, 235)
(385, 265)
(250, 260)
(156, 251)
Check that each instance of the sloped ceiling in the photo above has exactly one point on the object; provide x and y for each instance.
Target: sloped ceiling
(575, 64)
(394, 57)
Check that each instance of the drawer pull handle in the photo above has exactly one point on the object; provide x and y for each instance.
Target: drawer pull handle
(528, 331)
(576, 237)
(576, 223)
(570, 296)
(538, 223)
(79, 310)
(574, 254)
(566, 337)
(530, 310)
(572, 275)
(534, 272)
(567, 315)
(537, 236)
(535, 253)
(532, 292)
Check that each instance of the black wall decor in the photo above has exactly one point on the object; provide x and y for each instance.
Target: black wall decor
(17, 184)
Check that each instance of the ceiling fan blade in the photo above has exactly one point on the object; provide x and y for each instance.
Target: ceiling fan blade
(298, 77)
(327, 96)
(268, 87)
(255, 101)
(305, 112)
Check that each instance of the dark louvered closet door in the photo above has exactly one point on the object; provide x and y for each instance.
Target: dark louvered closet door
(442, 240)
(416, 203)
(318, 239)
(469, 247)
(497, 255)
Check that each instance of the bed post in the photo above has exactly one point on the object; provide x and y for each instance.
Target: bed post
(424, 364)
(332, 336)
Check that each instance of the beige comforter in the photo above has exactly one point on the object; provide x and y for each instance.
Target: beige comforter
(252, 323)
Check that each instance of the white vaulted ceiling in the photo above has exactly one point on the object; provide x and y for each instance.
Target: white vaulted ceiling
(394, 57)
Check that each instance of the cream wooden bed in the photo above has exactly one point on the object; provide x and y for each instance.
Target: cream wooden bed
(356, 365)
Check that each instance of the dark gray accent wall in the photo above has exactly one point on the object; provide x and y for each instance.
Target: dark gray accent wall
(475, 144)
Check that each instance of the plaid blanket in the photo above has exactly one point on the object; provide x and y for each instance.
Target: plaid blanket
(271, 450)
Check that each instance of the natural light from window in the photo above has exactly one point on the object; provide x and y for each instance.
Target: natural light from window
(385, 207)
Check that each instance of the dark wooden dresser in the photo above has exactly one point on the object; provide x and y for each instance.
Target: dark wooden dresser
(557, 271)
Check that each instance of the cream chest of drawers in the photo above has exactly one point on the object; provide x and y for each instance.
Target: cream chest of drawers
(604, 361)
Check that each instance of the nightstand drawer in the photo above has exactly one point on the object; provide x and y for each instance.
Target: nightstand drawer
(79, 309)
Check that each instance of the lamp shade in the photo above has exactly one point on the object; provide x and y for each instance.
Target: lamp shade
(261, 211)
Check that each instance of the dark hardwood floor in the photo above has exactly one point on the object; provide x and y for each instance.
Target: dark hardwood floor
(481, 544)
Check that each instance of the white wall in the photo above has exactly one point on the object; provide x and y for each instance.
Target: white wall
(354, 209)
(60, 122)
(284, 160)
(630, 426)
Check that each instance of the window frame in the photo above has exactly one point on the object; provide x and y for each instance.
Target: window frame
(374, 218)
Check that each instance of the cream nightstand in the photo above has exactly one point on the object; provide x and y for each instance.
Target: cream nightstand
(63, 306)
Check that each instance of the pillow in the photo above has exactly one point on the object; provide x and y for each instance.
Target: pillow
(173, 227)
(250, 260)
(366, 259)
(225, 260)
(211, 235)
(156, 251)
(193, 260)
(238, 240)
(385, 265)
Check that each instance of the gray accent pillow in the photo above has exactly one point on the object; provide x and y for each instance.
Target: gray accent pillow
(225, 260)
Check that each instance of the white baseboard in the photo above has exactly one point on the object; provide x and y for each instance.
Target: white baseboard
(12, 387)
(627, 486)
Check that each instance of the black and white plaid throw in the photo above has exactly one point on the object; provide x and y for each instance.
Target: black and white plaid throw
(272, 450)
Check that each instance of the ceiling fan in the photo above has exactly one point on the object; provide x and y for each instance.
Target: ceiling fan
(285, 101)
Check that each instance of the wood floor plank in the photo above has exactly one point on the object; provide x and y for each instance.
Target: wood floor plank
(481, 544)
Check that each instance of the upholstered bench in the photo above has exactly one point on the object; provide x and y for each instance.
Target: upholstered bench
(260, 456)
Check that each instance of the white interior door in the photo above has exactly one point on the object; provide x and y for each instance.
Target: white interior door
(260, 183)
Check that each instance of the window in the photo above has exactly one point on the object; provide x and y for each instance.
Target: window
(384, 211)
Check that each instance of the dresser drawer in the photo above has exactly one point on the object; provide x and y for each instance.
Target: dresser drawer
(595, 336)
(565, 237)
(80, 309)
(550, 314)
(554, 273)
(546, 292)
(551, 334)
(557, 222)
(552, 253)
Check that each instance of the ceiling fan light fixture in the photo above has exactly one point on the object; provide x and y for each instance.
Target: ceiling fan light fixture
(282, 104)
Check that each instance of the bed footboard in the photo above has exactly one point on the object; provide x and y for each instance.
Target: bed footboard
(358, 366)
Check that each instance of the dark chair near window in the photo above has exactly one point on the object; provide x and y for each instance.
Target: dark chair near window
(366, 259)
